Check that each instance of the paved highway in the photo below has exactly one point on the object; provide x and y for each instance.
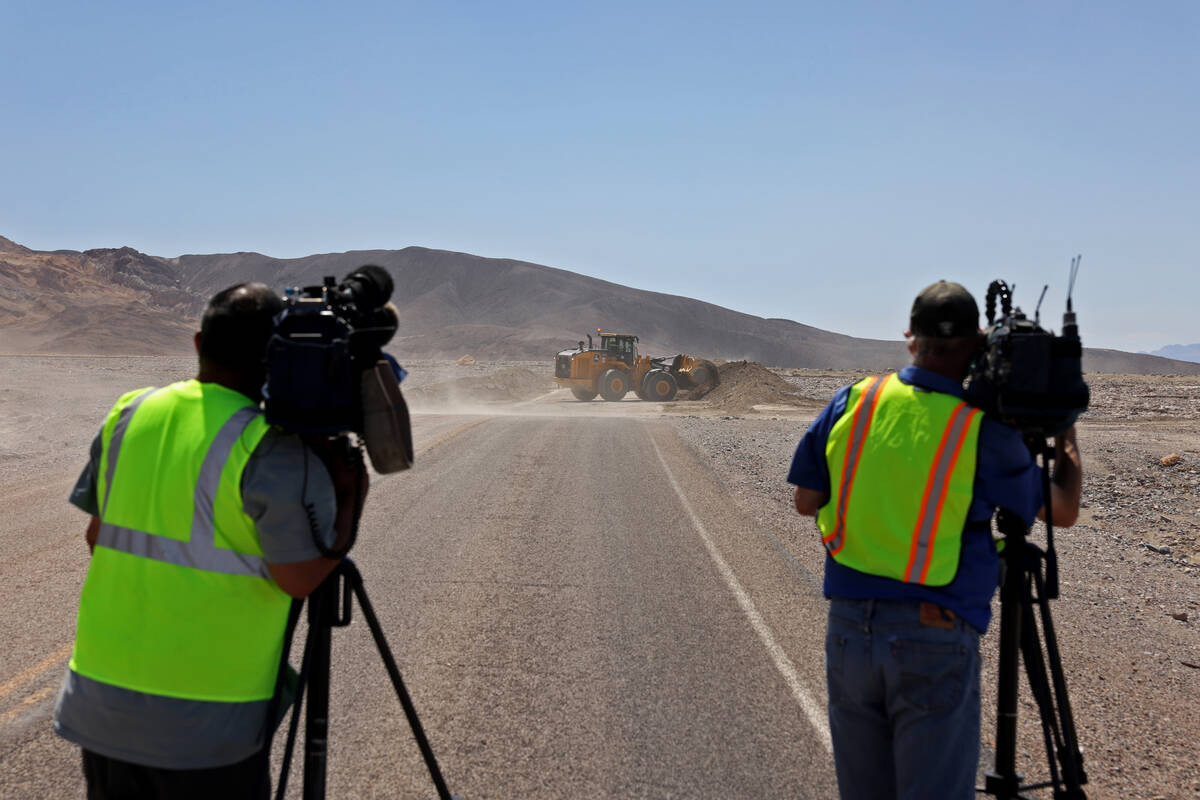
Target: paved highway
(578, 607)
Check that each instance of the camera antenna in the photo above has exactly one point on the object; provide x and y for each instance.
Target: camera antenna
(1071, 281)
(1070, 326)
(1037, 312)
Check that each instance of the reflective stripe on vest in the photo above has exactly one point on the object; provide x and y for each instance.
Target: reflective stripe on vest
(178, 599)
(902, 467)
(863, 411)
(935, 490)
(114, 447)
(200, 550)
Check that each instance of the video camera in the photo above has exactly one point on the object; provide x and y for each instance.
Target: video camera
(1025, 374)
(327, 375)
(326, 371)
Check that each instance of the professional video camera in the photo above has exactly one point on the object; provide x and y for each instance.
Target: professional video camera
(327, 375)
(1025, 374)
(326, 371)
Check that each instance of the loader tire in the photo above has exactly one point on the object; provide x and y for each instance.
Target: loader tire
(659, 386)
(613, 385)
(583, 394)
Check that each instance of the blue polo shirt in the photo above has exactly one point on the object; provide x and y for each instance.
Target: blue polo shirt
(1005, 476)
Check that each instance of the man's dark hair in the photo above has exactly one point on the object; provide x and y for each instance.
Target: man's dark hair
(957, 348)
(237, 325)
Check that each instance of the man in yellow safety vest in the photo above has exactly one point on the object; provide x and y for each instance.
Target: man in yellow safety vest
(903, 477)
(203, 521)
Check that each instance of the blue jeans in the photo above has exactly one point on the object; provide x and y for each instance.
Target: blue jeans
(903, 700)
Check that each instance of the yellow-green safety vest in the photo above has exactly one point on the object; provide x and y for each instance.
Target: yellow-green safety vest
(178, 600)
(902, 471)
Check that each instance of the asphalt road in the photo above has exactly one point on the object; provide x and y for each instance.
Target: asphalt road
(577, 605)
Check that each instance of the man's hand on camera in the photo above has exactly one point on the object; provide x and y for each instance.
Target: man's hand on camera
(348, 473)
(1066, 487)
(345, 464)
(1066, 445)
(350, 481)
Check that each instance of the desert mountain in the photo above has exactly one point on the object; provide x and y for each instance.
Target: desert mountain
(98, 301)
(1180, 352)
(124, 301)
(9, 246)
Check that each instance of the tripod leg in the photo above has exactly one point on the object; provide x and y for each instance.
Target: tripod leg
(352, 574)
(316, 720)
(1039, 685)
(294, 725)
(1069, 754)
(1003, 781)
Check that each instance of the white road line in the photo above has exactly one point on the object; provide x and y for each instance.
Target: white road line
(808, 704)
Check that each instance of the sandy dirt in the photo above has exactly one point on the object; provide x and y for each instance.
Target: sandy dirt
(1128, 619)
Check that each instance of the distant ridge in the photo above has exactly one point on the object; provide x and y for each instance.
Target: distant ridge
(1180, 352)
(119, 300)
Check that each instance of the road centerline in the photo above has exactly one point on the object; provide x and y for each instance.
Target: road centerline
(452, 434)
(33, 673)
(33, 699)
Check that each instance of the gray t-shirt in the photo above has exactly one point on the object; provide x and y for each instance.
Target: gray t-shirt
(281, 476)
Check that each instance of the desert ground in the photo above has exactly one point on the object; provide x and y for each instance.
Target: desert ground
(617, 599)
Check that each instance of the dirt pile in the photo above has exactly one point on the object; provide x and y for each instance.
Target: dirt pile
(509, 385)
(745, 384)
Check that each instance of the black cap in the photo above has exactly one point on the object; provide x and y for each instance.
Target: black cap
(944, 310)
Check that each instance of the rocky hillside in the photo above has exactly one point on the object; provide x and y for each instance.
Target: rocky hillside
(124, 301)
(98, 301)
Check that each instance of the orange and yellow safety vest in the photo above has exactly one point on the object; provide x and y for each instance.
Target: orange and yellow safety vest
(902, 471)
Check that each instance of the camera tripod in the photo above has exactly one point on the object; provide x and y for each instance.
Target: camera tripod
(330, 607)
(1031, 578)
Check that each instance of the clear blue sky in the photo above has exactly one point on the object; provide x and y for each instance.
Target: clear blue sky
(815, 161)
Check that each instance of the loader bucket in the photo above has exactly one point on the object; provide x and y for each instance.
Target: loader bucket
(697, 375)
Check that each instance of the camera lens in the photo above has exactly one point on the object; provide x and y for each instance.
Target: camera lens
(368, 287)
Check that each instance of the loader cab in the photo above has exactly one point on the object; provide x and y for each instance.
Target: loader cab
(621, 346)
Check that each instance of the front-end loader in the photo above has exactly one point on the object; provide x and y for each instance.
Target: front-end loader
(615, 367)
